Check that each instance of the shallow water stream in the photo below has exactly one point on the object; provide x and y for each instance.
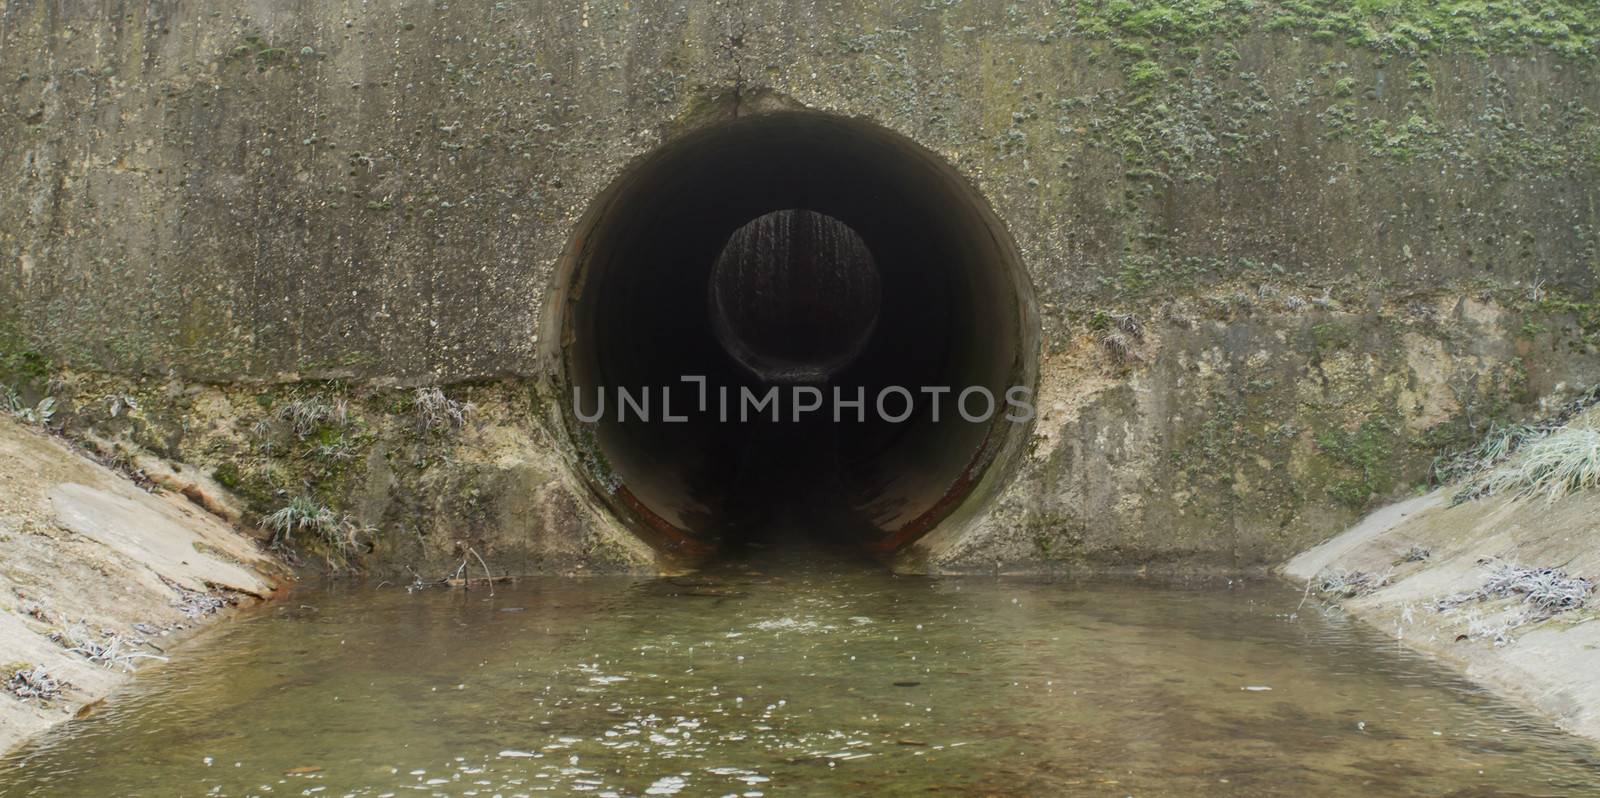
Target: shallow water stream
(777, 677)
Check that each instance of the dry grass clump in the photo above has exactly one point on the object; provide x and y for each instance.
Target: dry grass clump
(1416, 554)
(1549, 590)
(335, 451)
(1544, 593)
(1553, 466)
(1119, 335)
(435, 411)
(306, 415)
(1348, 584)
(34, 682)
(335, 536)
(1498, 445)
(1554, 457)
(1496, 629)
(108, 651)
(195, 604)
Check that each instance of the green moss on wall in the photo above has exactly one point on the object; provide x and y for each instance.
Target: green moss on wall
(1411, 27)
(1367, 467)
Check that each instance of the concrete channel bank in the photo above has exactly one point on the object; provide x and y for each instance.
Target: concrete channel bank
(99, 577)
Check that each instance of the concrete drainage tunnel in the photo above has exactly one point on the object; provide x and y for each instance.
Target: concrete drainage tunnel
(803, 252)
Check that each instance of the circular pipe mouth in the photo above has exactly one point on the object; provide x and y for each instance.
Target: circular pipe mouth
(788, 253)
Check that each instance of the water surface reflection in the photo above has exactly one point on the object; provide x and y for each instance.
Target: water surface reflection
(783, 677)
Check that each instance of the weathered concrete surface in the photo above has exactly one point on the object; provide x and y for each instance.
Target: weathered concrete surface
(382, 190)
(88, 553)
(1552, 665)
(495, 488)
(1555, 665)
(1240, 431)
(1350, 241)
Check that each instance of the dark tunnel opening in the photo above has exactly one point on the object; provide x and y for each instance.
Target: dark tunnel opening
(805, 252)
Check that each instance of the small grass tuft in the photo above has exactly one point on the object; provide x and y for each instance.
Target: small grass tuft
(437, 412)
(119, 403)
(308, 414)
(34, 682)
(1348, 584)
(336, 537)
(263, 428)
(108, 650)
(1119, 348)
(40, 414)
(1119, 334)
(1496, 447)
(1550, 590)
(335, 451)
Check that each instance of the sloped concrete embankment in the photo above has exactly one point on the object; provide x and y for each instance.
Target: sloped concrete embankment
(99, 577)
(1500, 588)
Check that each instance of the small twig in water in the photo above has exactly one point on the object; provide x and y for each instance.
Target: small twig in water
(487, 577)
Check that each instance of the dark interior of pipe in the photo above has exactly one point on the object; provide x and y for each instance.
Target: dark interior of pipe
(794, 296)
(946, 303)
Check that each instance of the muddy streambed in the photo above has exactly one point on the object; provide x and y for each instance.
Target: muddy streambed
(774, 677)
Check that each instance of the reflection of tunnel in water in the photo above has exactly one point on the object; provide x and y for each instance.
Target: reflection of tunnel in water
(792, 249)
